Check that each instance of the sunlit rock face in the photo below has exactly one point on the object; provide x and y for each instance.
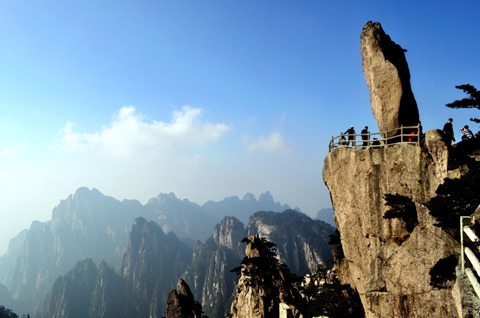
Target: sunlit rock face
(261, 293)
(180, 303)
(388, 78)
(387, 264)
(385, 260)
(302, 243)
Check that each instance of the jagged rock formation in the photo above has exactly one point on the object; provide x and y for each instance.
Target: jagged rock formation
(243, 208)
(108, 298)
(265, 287)
(89, 224)
(181, 304)
(390, 261)
(182, 217)
(152, 263)
(71, 293)
(86, 291)
(209, 273)
(387, 264)
(302, 243)
(9, 259)
(388, 78)
(85, 225)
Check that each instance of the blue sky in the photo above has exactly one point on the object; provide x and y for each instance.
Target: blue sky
(205, 99)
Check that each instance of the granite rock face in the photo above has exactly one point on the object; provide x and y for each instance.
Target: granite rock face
(180, 303)
(388, 78)
(209, 273)
(385, 262)
(151, 265)
(265, 288)
(389, 261)
(302, 243)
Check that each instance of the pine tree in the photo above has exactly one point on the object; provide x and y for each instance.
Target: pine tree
(473, 101)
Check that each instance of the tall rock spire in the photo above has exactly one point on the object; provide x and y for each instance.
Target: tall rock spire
(388, 78)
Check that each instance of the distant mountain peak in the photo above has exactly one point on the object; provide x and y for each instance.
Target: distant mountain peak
(83, 192)
(249, 197)
(266, 197)
(164, 197)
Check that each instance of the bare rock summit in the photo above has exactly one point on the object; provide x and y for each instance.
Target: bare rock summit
(388, 78)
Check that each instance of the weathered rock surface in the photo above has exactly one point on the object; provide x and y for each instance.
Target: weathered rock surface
(77, 287)
(180, 303)
(388, 78)
(385, 263)
(209, 273)
(152, 263)
(302, 243)
(265, 288)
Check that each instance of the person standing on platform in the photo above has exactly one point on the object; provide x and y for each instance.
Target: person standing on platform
(448, 132)
(365, 137)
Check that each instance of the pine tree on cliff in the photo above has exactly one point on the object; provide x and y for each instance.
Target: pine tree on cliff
(266, 276)
(473, 101)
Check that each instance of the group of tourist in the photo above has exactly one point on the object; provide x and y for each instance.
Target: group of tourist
(449, 135)
(347, 138)
(350, 137)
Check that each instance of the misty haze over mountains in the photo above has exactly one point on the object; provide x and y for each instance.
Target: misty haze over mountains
(91, 226)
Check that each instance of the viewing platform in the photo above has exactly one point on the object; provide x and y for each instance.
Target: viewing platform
(404, 134)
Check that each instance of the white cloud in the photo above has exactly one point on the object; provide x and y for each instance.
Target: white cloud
(131, 131)
(12, 151)
(272, 142)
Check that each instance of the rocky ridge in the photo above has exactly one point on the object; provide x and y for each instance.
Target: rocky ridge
(89, 224)
(301, 243)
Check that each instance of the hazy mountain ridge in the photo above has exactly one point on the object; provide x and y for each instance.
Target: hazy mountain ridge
(209, 274)
(243, 208)
(89, 224)
(154, 261)
(302, 244)
(151, 265)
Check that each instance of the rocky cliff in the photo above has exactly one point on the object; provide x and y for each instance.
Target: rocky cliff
(302, 243)
(209, 273)
(181, 304)
(89, 224)
(265, 288)
(71, 294)
(390, 261)
(152, 263)
(387, 263)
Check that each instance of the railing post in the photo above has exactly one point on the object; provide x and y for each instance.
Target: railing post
(462, 250)
(419, 134)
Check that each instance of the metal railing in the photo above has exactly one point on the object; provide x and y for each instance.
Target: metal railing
(472, 258)
(403, 134)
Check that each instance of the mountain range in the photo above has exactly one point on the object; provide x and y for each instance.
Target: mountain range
(145, 249)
